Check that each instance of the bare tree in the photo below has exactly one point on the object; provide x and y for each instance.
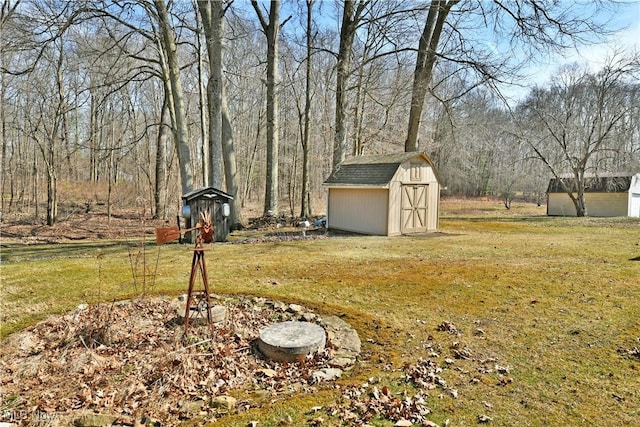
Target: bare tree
(159, 193)
(221, 147)
(305, 205)
(271, 29)
(48, 127)
(351, 15)
(181, 133)
(426, 58)
(45, 130)
(299, 93)
(451, 29)
(575, 120)
(7, 9)
(212, 13)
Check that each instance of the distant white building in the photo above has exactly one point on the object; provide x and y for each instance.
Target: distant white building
(605, 196)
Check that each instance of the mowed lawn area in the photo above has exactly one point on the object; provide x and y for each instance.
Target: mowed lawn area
(535, 320)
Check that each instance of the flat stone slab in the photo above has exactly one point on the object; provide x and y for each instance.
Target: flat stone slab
(290, 341)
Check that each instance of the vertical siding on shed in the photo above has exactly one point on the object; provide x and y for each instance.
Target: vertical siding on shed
(427, 176)
(360, 210)
(403, 176)
(433, 205)
(214, 207)
(598, 204)
(395, 204)
(606, 204)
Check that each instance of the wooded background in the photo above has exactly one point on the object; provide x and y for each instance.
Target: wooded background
(130, 102)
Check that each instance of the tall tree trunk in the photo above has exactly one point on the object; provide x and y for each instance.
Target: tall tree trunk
(358, 145)
(110, 168)
(161, 175)
(271, 30)
(427, 55)
(204, 109)
(212, 22)
(93, 137)
(252, 159)
(350, 18)
(51, 152)
(181, 133)
(3, 136)
(221, 132)
(230, 165)
(64, 122)
(578, 200)
(35, 187)
(52, 185)
(305, 205)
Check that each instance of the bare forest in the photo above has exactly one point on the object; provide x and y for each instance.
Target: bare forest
(129, 104)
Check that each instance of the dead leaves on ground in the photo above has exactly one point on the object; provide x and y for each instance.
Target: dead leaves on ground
(133, 359)
(406, 403)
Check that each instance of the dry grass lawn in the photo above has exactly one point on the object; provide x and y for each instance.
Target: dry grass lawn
(547, 309)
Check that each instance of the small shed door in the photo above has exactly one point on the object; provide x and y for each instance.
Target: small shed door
(414, 208)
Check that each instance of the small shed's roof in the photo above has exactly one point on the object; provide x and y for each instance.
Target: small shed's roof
(602, 183)
(374, 170)
(206, 192)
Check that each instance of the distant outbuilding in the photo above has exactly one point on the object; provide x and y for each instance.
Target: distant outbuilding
(606, 195)
(384, 195)
(210, 199)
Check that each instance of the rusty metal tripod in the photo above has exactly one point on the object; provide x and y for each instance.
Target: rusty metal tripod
(199, 300)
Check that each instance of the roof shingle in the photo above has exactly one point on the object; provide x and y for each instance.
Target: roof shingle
(593, 184)
(375, 170)
(363, 174)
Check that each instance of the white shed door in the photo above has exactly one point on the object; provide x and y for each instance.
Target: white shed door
(414, 208)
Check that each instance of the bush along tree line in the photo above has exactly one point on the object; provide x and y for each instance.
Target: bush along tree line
(263, 99)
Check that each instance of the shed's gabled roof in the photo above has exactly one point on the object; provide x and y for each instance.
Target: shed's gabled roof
(603, 183)
(375, 170)
(207, 192)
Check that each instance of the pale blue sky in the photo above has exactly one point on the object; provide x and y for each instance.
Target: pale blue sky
(628, 38)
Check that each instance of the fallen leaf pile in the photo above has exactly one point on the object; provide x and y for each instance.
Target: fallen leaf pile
(133, 363)
(134, 360)
(267, 222)
(359, 405)
(282, 237)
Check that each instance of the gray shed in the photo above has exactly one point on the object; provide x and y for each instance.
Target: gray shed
(605, 195)
(210, 199)
(385, 195)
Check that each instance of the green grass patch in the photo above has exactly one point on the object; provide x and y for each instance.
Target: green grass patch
(557, 301)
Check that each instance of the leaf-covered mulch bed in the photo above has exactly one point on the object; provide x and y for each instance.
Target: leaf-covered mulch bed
(133, 361)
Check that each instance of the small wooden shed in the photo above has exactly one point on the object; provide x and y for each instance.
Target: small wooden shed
(606, 195)
(385, 195)
(210, 199)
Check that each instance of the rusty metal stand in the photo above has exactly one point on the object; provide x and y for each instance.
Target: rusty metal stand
(198, 300)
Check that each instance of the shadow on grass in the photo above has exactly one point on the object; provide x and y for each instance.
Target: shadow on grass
(502, 218)
(16, 252)
(547, 220)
